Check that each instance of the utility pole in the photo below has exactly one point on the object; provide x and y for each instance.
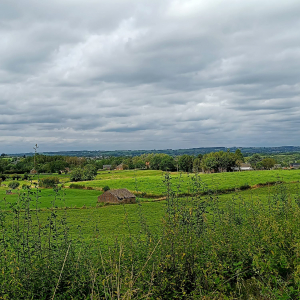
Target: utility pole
(35, 151)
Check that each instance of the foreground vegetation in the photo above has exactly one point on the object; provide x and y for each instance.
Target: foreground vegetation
(243, 245)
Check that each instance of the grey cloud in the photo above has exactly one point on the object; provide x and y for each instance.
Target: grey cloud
(149, 74)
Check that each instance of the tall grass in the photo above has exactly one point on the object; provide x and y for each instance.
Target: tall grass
(246, 249)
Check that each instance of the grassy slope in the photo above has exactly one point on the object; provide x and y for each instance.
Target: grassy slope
(110, 220)
(71, 198)
(120, 220)
(151, 182)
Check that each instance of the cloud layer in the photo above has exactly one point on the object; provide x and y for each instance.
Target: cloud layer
(126, 74)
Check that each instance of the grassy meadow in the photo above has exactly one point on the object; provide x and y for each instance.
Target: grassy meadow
(151, 182)
(208, 236)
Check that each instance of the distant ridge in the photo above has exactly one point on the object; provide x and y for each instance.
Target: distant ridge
(191, 151)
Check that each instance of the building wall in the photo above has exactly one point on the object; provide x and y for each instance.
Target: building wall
(109, 198)
(128, 200)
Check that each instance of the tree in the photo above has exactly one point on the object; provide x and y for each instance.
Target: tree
(197, 165)
(185, 163)
(167, 163)
(239, 156)
(218, 161)
(268, 163)
(139, 164)
(89, 172)
(210, 162)
(76, 174)
(254, 160)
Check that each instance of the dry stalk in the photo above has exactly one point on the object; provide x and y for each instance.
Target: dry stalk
(61, 271)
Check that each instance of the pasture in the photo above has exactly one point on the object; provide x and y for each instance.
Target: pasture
(221, 235)
(151, 183)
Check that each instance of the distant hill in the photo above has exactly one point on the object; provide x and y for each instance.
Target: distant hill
(247, 151)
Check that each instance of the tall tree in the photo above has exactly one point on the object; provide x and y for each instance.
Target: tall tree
(185, 163)
(239, 156)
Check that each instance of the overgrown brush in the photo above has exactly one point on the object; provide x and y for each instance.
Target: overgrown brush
(246, 249)
(49, 182)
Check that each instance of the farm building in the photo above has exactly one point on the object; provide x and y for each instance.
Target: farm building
(295, 166)
(243, 167)
(106, 167)
(33, 171)
(120, 167)
(121, 196)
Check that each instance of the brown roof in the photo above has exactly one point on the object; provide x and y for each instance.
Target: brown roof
(121, 194)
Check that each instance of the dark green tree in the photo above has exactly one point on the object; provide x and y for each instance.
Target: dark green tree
(76, 174)
(239, 156)
(185, 163)
(254, 160)
(268, 163)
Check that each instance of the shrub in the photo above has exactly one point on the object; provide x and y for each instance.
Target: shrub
(76, 186)
(245, 186)
(48, 182)
(3, 177)
(25, 186)
(13, 185)
(106, 188)
(25, 176)
(15, 177)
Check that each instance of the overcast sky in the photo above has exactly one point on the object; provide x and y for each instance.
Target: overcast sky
(148, 74)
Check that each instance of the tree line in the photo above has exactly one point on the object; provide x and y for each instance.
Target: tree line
(221, 161)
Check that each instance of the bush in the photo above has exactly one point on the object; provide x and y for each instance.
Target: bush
(25, 186)
(77, 186)
(15, 177)
(106, 188)
(25, 176)
(49, 182)
(3, 177)
(76, 174)
(245, 187)
(13, 185)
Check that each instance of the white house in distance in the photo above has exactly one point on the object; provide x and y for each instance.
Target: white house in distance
(243, 167)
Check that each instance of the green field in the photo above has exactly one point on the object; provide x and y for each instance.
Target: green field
(156, 243)
(151, 182)
(110, 221)
(86, 213)
(150, 185)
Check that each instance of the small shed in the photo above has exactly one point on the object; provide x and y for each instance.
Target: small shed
(120, 196)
